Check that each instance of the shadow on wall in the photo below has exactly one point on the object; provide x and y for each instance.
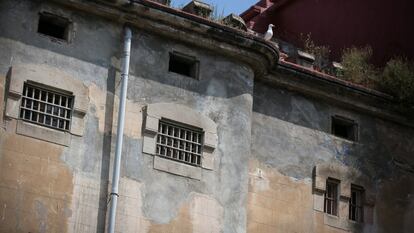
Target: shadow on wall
(106, 149)
(379, 142)
(291, 107)
(394, 212)
(5, 91)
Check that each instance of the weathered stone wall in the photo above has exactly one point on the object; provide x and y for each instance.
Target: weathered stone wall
(223, 94)
(291, 135)
(48, 187)
(261, 179)
(51, 188)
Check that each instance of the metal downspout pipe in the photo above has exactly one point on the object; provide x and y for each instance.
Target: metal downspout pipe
(120, 131)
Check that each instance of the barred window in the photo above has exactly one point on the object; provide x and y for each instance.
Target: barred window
(331, 197)
(179, 142)
(46, 107)
(356, 211)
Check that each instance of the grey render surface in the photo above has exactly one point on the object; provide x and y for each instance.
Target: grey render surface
(224, 93)
(283, 129)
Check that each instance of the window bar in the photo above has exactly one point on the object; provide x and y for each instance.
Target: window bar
(161, 126)
(53, 109)
(158, 149)
(190, 159)
(173, 140)
(60, 104)
(191, 139)
(44, 117)
(196, 159)
(64, 122)
(185, 146)
(165, 150)
(31, 93)
(38, 106)
(187, 157)
(66, 112)
(45, 110)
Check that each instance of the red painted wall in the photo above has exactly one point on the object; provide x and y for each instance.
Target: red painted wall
(387, 26)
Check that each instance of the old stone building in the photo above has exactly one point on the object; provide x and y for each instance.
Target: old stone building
(220, 134)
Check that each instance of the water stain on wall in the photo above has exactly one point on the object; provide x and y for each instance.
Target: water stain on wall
(35, 186)
(202, 214)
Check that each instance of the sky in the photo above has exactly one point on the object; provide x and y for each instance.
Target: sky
(224, 7)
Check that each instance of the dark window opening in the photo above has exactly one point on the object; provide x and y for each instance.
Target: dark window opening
(331, 197)
(184, 65)
(356, 209)
(54, 26)
(344, 128)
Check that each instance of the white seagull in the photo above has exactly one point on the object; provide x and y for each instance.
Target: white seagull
(269, 34)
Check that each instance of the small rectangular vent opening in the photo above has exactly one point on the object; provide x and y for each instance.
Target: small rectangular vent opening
(54, 26)
(344, 128)
(183, 64)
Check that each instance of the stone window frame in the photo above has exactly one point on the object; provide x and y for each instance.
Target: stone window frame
(347, 177)
(153, 113)
(46, 77)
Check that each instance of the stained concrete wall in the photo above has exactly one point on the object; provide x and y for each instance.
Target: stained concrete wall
(261, 181)
(291, 135)
(51, 188)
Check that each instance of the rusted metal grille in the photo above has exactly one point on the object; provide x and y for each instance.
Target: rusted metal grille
(331, 197)
(356, 211)
(46, 107)
(179, 143)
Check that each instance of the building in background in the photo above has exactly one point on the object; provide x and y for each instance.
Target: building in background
(385, 26)
(220, 135)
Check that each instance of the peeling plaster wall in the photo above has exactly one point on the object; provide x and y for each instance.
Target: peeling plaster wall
(47, 187)
(291, 135)
(262, 176)
(223, 94)
(51, 188)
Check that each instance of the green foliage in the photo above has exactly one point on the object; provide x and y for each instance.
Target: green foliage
(216, 15)
(319, 51)
(357, 66)
(398, 80)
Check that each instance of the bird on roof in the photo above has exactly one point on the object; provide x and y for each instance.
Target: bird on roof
(269, 33)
